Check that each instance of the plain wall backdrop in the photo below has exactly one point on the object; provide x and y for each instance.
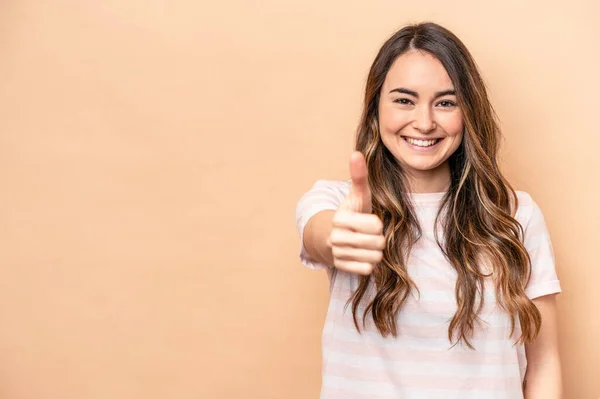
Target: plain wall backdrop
(152, 154)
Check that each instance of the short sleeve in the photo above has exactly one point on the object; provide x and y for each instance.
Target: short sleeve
(323, 195)
(536, 238)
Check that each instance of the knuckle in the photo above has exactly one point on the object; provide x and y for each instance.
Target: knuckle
(366, 269)
(336, 252)
(335, 236)
(341, 265)
(337, 218)
(340, 217)
(376, 222)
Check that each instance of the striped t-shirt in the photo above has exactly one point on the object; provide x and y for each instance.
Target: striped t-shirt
(421, 362)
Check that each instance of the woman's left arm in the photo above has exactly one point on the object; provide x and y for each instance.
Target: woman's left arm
(543, 378)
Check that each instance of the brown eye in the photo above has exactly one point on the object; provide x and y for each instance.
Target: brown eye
(403, 101)
(447, 103)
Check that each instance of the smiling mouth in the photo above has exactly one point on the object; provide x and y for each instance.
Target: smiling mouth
(421, 143)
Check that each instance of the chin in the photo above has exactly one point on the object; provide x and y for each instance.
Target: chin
(420, 167)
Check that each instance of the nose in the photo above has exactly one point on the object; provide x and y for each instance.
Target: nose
(423, 121)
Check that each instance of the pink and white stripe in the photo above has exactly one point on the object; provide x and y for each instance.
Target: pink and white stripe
(420, 362)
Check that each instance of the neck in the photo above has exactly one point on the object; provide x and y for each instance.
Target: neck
(430, 181)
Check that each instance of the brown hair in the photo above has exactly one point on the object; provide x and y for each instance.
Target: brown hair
(476, 213)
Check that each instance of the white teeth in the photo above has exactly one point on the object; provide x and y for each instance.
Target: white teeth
(421, 143)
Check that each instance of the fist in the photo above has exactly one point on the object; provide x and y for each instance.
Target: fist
(356, 238)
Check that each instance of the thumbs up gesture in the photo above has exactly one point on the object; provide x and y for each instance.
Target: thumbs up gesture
(356, 238)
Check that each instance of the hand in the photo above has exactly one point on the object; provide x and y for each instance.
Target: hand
(356, 238)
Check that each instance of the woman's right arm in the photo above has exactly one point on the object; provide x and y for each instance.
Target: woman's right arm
(316, 237)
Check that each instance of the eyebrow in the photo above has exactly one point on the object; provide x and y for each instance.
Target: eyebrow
(449, 92)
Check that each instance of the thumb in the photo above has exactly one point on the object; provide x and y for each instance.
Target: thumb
(360, 194)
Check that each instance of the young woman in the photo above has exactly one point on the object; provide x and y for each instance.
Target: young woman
(442, 277)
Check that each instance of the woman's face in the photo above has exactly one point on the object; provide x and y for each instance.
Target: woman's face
(419, 119)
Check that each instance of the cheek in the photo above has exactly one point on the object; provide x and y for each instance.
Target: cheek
(391, 120)
(453, 125)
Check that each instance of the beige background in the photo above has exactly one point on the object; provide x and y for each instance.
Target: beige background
(152, 153)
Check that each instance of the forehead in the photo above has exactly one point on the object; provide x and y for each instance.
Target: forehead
(418, 70)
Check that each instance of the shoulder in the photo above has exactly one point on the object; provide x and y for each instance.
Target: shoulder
(528, 210)
(338, 188)
(333, 184)
(323, 194)
(525, 199)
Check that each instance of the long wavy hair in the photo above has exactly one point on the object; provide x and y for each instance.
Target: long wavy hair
(476, 214)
